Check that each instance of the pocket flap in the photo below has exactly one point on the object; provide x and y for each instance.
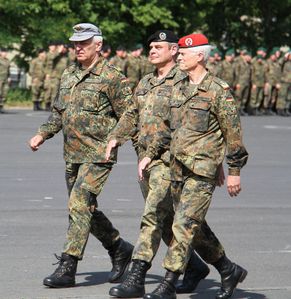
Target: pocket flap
(200, 105)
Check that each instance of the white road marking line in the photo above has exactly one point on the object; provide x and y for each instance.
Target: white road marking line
(274, 251)
(123, 199)
(117, 211)
(48, 197)
(277, 127)
(34, 200)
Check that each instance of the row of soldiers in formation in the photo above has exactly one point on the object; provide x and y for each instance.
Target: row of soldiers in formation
(47, 68)
(262, 84)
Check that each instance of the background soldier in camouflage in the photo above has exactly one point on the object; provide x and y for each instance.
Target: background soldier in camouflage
(259, 70)
(227, 68)
(243, 72)
(4, 77)
(119, 59)
(205, 121)
(86, 116)
(284, 96)
(60, 63)
(37, 73)
(273, 82)
(132, 67)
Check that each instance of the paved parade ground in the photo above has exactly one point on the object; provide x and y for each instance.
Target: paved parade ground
(254, 228)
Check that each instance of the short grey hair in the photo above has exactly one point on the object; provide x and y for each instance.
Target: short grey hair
(205, 50)
(97, 38)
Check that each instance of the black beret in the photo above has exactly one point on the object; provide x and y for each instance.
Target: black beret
(163, 36)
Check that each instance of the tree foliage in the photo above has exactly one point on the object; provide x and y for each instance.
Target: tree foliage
(32, 24)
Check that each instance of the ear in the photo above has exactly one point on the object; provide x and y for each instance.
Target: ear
(200, 57)
(98, 46)
(174, 50)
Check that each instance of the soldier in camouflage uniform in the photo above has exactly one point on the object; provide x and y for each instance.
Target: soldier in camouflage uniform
(243, 72)
(227, 68)
(273, 82)
(86, 116)
(132, 68)
(51, 55)
(119, 59)
(149, 116)
(204, 122)
(60, 63)
(37, 73)
(259, 70)
(4, 77)
(284, 96)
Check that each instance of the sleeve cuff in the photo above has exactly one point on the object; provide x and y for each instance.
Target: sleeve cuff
(234, 171)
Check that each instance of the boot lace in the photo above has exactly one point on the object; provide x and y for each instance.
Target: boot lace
(133, 277)
(61, 269)
(163, 288)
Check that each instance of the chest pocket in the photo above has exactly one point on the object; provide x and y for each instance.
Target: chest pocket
(162, 102)
(197, 112)
(63, 96)
(90, 95)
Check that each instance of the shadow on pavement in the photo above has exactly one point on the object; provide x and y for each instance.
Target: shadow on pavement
(93, 278)
(208, 288)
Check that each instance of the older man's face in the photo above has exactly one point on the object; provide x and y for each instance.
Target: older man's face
(86, 50)
(188, 60)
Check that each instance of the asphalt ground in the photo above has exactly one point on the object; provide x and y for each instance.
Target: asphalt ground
(254, 228)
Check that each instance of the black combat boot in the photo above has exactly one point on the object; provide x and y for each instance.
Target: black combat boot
(120, 255)
(133, 285)
(231, 275)
(64, 275)
(35, 106)
(196, 270)
(39, 106)
(166, 289)
(281, 112)
(47, 106)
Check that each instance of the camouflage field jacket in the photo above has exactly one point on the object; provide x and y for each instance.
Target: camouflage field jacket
(205, 122)
(87, 108)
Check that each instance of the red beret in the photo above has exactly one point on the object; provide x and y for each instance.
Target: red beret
(193, 40)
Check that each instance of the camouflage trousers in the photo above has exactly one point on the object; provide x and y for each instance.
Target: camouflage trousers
(158, 216)
(4, 87)
(242, 95)
(37, 90)
(257, 97)
(51, 87)
(192, 198)
(271, 97)
(158, 212)
(284, 96)
(84, 183)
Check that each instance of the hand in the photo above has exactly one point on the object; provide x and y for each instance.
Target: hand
(220, 176)
(237, 87)
(35, 142)
(278, 86)
(142, 165)
(111, 144)
(233, 185)
(254, 86)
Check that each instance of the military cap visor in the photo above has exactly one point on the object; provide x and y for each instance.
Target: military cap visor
(84, 31)
(163, 36)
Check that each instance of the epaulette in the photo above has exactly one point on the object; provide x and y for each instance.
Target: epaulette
(221, 83)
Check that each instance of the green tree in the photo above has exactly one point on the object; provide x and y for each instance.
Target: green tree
(32, 24)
